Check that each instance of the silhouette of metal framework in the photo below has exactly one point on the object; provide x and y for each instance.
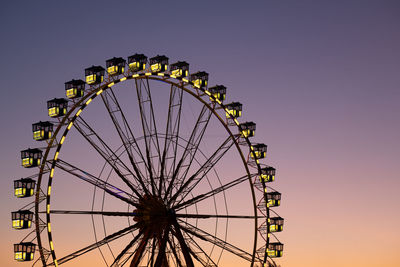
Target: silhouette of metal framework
(158, 173)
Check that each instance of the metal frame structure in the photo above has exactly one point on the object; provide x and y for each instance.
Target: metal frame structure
(158, 182)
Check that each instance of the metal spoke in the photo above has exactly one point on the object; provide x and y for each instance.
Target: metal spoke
(208, 262)
(149, 128)
(161, 251)
(173, 248)
(208, 216)
(194, 231)
(87, 177)
(191, 183)
(171, 133)
(196, 257)
(100, 243)
(88, 212)
(123, 252)
(189, 153)
(106, 152)
(140, 250)
(211, 193)
(153, 249)
(185, 249)
(125, 133)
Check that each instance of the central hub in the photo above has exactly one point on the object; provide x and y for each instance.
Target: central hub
(153, 214)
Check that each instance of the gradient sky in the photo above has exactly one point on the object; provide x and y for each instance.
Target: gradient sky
(320, 79)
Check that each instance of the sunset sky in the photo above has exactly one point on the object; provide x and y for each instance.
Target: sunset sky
(320, 79)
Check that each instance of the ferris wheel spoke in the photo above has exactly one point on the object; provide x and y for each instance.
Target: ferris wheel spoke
(171, 133)
(125, 250)
(208, 216)
(125, 133)
(184, 247)
(153, 249)
(137, 256)
(198, 233)
(205, 262)
(161, 257)
(88, 212)
(195, 179)
(106, 152)
(172, 245)
(211, 193)
(98, 244)
(149, 129)
(96, 181)
(182, 168)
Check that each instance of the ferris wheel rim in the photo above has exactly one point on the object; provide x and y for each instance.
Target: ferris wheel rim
(95, 92)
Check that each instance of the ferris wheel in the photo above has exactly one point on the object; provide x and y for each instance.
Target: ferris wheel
(144, 164)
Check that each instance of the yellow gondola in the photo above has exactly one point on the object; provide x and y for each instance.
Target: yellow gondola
(24, 251)
(21, 219)
(31, 157)
(199, 79)
(42, 130)
(276, 224)
(275, 250)
(267, 174)
(57, 107)
(74, 88)
(24, 187)
(259, 151)
(94, 75)
(218, 92)
(273, 199)
(234, 109)
(159, 64)
(115, 66)
(247, 129)
(179, 69)
(137, 62)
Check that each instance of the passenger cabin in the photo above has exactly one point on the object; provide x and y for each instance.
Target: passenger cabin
(233, 109)
(42, 130)
(199, 79)
(158, 64)
(74, 89)
(137, 62)
(179, 69)
(57, 107)
(31, 157)
(218, 92)
(275, 250)
(24, 187)
(22, 219)
(273, 199)
(94, 75)
(276, 224)
(115, 65)
(259, 151)
(247, 129)
(24, 251)
(267, 174)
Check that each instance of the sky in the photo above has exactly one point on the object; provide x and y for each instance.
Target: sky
(320, 79)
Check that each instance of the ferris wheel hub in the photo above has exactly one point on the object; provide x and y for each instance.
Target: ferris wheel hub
(153, 214)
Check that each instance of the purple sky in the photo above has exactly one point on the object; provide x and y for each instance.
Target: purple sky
(320, 79)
